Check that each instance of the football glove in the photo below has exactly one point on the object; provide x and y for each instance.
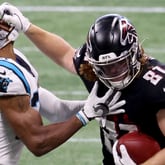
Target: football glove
(14, 17)
(100, 106)
(124, 159)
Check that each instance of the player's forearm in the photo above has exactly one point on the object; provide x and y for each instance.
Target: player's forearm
(157, 159)
(50, 137)
(54, 46)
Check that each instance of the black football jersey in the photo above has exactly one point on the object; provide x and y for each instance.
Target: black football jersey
(145, 96)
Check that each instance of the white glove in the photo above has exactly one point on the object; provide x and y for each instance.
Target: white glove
(100, 106)
(124, 159)
(14, 17)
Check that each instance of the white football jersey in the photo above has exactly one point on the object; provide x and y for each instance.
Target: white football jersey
(16, 78)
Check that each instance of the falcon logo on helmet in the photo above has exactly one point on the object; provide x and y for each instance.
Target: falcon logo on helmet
(128, 32)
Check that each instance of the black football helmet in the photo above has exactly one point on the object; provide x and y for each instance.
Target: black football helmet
(113, 50)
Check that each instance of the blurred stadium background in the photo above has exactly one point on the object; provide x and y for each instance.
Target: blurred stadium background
(71, 19)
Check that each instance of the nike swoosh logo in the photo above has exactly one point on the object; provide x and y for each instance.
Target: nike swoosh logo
(3, 73)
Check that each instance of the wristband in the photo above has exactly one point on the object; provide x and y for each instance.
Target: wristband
(82, 117)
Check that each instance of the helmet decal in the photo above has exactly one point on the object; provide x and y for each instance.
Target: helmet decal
(107, 57)
(128, 32)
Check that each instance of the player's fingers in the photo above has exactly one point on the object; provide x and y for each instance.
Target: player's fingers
(117, 105)
(123, 151)
(94, 89)
(114, 149)
(115, 98)
(118, 111)
(108, 95)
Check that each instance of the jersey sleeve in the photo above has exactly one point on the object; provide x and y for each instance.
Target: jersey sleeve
(78, 60)
(154, 84)
(12, 79)
(159, 100)
(79, 57)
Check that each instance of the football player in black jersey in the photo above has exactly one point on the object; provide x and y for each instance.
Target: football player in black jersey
(119, 62)
(112, 55)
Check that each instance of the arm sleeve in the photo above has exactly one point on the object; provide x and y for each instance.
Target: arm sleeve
(55, 109)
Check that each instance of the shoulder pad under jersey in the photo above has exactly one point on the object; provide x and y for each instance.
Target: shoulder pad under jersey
(12, 78)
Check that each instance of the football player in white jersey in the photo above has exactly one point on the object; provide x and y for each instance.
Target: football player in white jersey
(16, 80)
(21, 99)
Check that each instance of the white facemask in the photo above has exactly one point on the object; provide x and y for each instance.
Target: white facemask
(6, 37)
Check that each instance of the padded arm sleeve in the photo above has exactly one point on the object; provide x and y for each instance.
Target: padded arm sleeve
(55, 109)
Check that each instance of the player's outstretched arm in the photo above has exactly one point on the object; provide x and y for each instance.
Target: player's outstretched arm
(40, 139)
(53, 46)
